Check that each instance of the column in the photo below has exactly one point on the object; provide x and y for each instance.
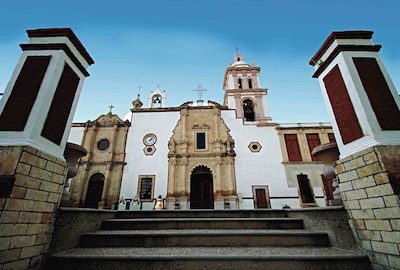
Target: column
(364, 109)
(36, 113)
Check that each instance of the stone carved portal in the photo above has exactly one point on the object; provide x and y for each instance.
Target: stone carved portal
(201, 188)
(201, 177)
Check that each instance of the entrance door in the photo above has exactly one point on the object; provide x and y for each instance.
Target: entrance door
(95, 190)
(201, 189)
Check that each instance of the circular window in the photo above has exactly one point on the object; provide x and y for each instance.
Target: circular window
(103, 144)
(254, 146)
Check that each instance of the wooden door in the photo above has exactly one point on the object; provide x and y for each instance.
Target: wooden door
(261, 198)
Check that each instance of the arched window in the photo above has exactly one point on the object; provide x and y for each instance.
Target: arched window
(240, 83)
(156, 101)
(250, 83)
(248, 110)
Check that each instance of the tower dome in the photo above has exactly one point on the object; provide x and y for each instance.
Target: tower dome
(239, 62)
(137, 103)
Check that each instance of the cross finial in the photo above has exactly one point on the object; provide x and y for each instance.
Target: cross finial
(200, 90)
(139, 87)
(237, 50)
(110, 107)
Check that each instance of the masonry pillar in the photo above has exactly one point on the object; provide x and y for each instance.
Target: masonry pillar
(36, 113)
(363, 105)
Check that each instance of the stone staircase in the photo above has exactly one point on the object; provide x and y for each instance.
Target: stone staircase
(204, 239)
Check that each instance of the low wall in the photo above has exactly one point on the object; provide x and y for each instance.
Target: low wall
(333, 220)
(72, 222)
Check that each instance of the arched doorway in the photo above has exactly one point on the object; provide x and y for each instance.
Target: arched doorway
(248, 110)
(201, 188)
(95, 190)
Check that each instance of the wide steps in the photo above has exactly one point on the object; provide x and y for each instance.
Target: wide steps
(315, 258)
(202, 223)
(203, 238)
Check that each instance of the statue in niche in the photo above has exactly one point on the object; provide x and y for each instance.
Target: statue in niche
(230, 144)
(172, 146)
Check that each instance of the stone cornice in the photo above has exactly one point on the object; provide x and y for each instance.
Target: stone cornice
(59, 32)
(339, 35)
(345, 48)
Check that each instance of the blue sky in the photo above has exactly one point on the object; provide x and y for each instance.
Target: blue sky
(180, 43)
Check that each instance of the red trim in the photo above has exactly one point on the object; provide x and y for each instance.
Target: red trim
(345, 48)
(60, 108)
(342, 106)
(24, 93)
(59, 32)
(380, 97)
(339, 35)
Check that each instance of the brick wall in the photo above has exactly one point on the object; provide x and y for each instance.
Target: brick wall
(27, 216)
(372, 206)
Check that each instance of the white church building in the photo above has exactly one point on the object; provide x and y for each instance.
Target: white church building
(202, 154)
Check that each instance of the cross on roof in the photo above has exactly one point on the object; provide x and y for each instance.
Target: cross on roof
(111, 107)
(139, 87)
(200, 90)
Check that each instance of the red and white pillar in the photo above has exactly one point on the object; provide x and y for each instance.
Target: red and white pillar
(360, 96)
(41, 97)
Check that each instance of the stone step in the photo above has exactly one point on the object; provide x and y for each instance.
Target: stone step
(203, 237)
(203, 213)
(202, 223)
(259, 258)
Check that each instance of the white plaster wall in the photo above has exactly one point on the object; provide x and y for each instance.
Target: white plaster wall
(265, 106)
(231, 82)
(231, 102)
(262, 168)
(76, 135)
(162, 125)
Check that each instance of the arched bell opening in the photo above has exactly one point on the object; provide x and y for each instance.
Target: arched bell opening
(156, 101)
(248, 110)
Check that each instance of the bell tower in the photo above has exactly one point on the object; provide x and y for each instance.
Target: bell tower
(243, 91)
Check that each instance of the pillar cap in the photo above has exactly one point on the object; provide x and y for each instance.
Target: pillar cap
(358, 34)
(58, 32)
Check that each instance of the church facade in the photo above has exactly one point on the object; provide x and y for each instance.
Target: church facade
(202, 154)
